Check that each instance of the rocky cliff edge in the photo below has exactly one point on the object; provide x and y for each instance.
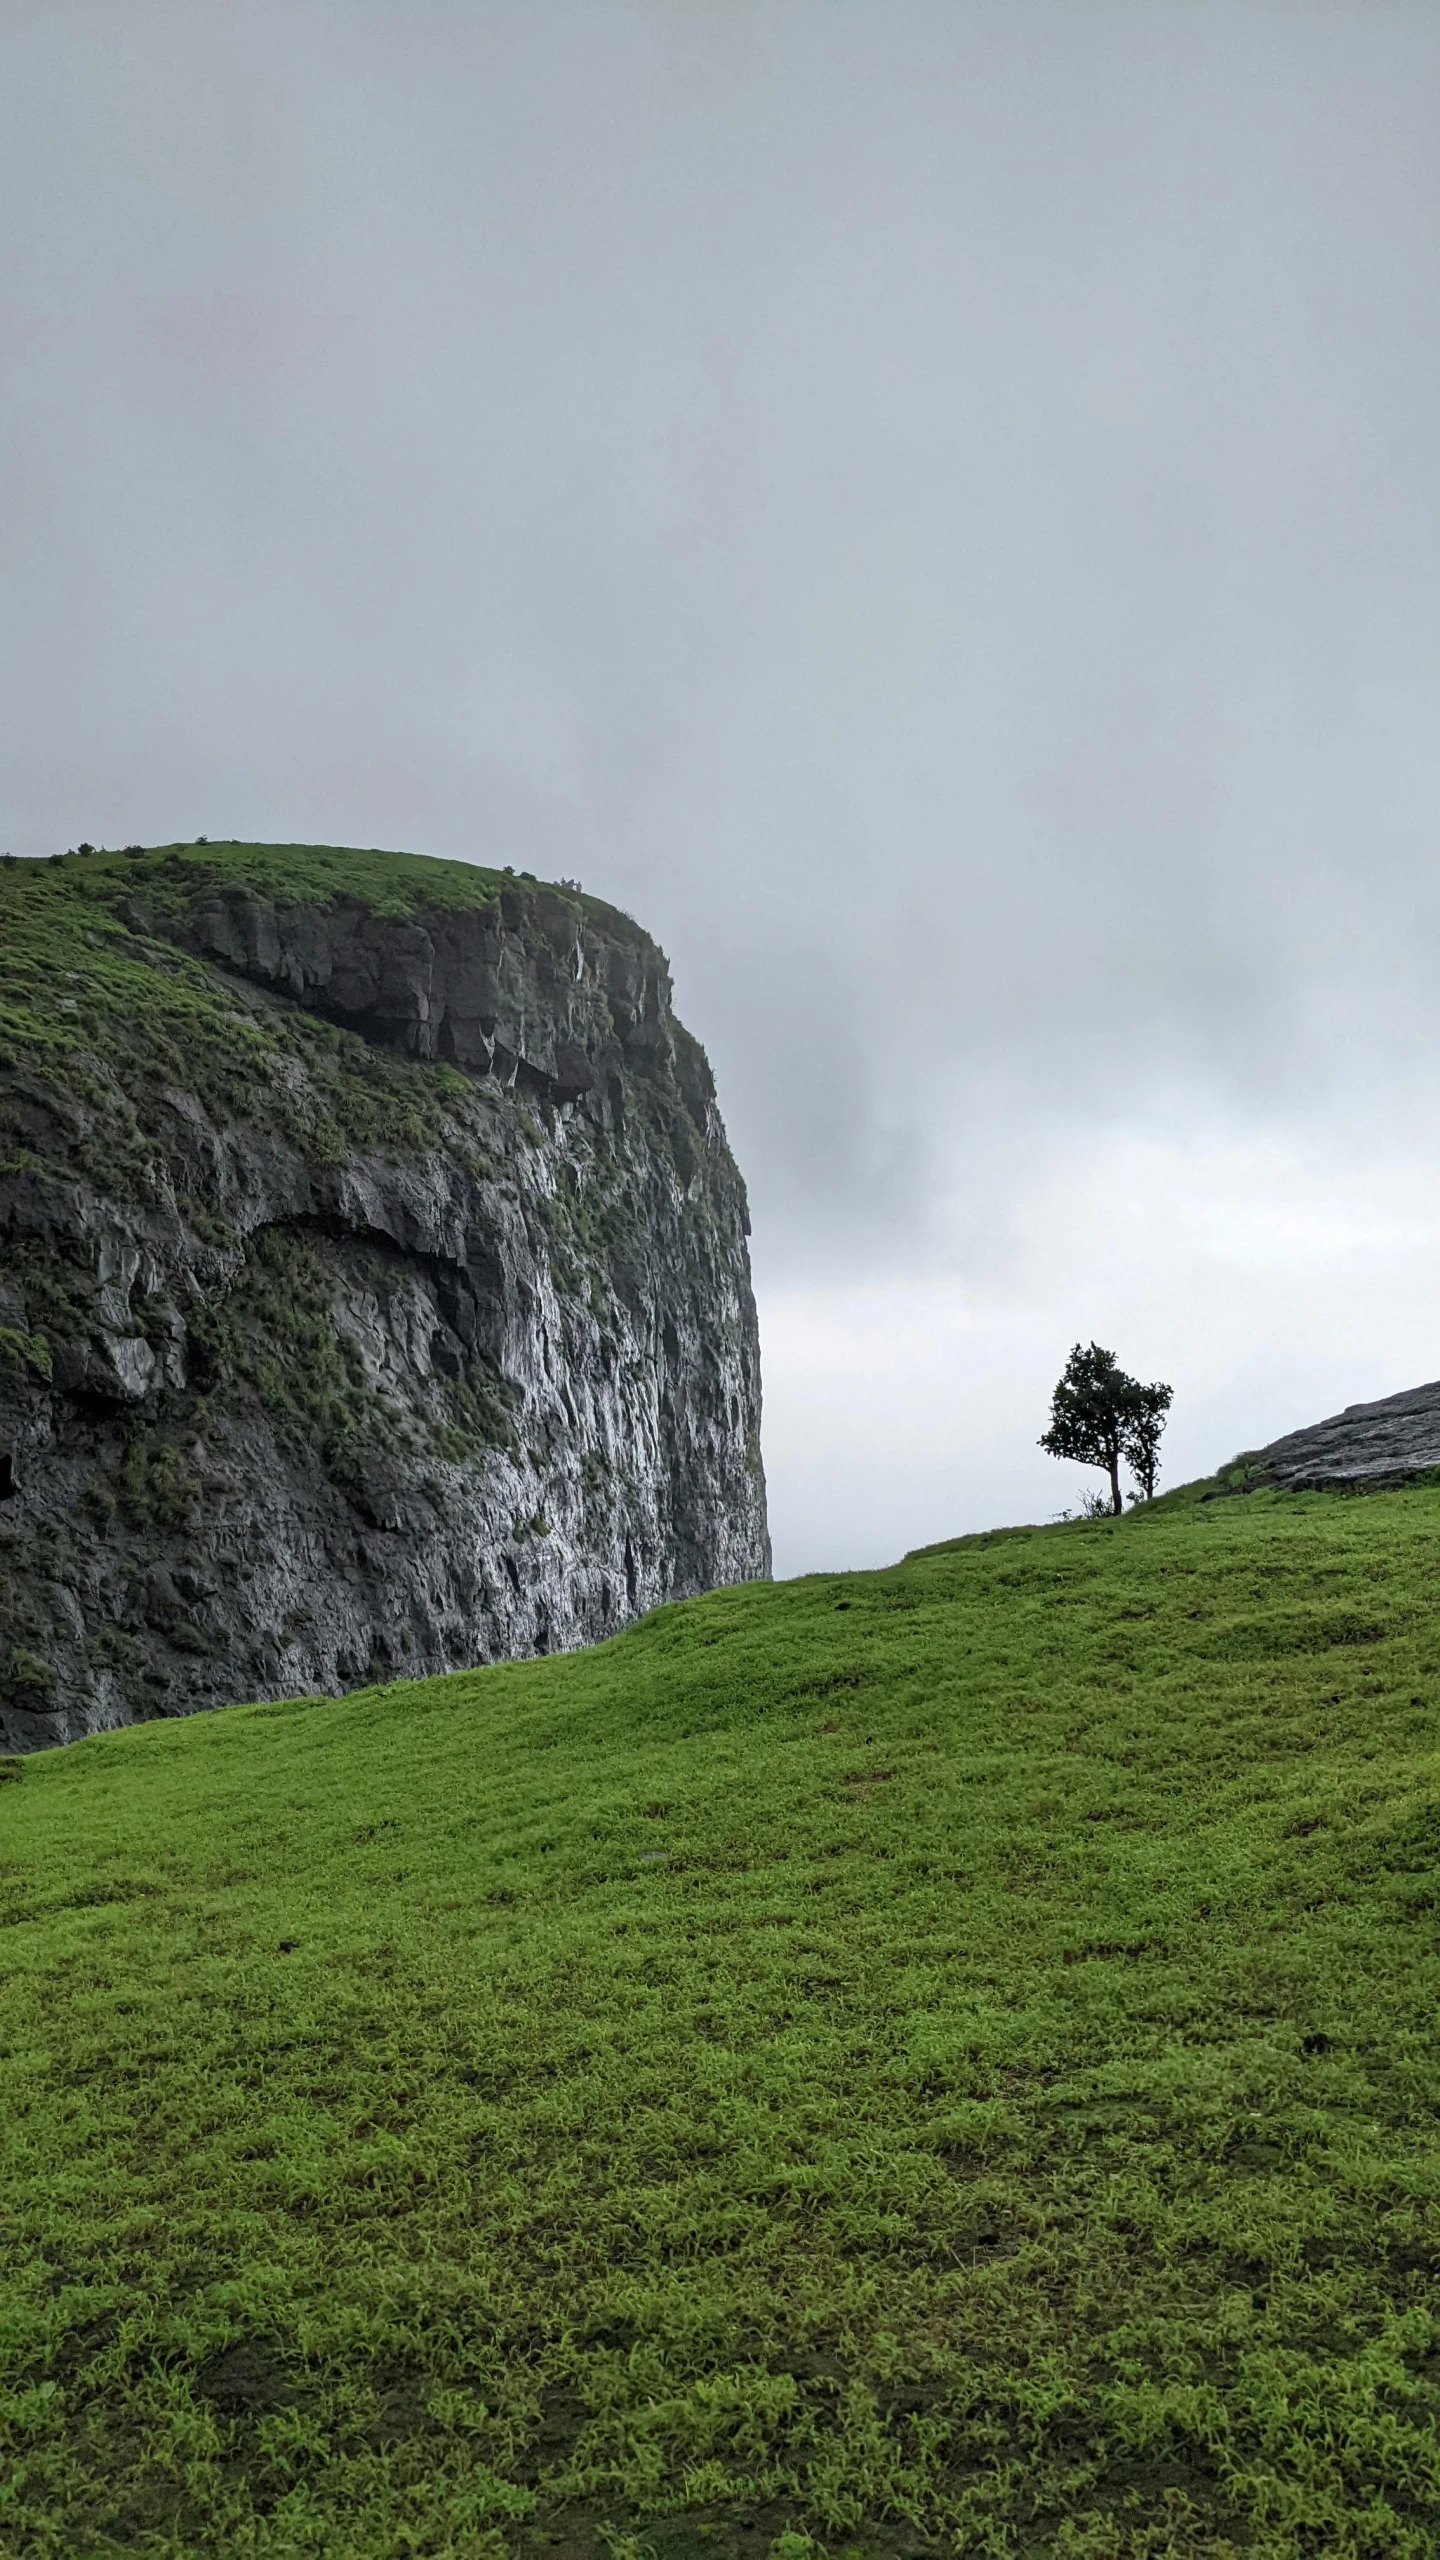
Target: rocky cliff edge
(374, 1293)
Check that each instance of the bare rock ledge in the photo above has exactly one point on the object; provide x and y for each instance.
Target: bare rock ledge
(1368, 1444)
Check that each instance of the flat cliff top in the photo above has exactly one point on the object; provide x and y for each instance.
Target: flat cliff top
(127, 979)
(81, 935)
(948, 2049)
(397, 885)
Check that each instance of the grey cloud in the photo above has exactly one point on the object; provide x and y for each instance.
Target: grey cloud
(933, 507)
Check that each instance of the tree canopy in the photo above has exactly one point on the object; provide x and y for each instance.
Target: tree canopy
(1100, 1417)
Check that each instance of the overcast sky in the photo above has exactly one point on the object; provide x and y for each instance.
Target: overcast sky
(935, 508)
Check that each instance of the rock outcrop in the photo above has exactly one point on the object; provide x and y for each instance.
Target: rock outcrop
(374, 1293)
(1368, 1444)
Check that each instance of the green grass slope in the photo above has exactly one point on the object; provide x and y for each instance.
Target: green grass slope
(932, 2061)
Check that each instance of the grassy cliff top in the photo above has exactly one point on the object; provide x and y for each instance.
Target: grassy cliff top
(913, 2062)
(106, 1012)
(105, 1015)
(400, 885)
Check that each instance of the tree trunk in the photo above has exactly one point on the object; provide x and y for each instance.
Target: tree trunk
(1116, 1505)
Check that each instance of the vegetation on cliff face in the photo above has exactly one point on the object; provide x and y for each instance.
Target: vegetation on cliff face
(921, 2062)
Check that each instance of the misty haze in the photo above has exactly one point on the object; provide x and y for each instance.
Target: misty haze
(933, 510)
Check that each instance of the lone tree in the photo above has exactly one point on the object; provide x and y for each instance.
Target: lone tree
(1099, 1416)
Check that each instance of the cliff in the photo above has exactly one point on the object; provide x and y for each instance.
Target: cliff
(374, 1294)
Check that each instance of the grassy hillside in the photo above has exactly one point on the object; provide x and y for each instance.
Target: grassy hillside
(939, 2060)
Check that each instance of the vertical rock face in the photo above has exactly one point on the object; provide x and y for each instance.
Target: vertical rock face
(374, 1294)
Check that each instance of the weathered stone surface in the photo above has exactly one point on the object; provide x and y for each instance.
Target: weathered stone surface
(281, 1412)
(1372, 1444)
